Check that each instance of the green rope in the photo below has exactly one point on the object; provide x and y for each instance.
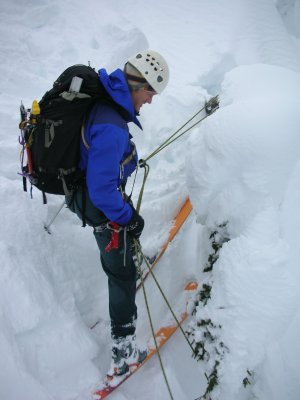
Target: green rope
(139, 250)
(138, 264)
(167, 143)
(146, 173)
(210, 107)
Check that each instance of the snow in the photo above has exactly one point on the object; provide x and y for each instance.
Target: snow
(240, 166)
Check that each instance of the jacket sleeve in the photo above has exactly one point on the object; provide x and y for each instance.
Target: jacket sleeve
(103, 169)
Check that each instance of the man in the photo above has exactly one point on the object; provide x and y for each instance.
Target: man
(108, 156)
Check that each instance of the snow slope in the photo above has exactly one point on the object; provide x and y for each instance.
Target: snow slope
(240, 166)
(243, 168)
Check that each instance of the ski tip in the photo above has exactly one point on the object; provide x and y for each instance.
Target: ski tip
(191, 286)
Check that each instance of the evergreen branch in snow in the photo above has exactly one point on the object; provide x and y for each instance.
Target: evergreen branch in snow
(204, 333)
(248, 379)
(205, 293)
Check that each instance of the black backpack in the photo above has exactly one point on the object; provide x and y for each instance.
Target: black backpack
(51, 138)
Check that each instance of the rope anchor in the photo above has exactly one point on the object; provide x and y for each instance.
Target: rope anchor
(212, 105)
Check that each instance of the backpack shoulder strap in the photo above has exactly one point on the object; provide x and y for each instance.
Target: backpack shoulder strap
(86, 145)
(130, 156)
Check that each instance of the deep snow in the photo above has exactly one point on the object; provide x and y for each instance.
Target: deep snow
(240, 166)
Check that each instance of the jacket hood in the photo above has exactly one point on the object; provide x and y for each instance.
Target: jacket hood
(116, 86)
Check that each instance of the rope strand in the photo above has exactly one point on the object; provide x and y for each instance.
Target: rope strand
(136, 245)
(167, 143)
(139, 250)
(142, 164)
(210, 107)
(178, 130)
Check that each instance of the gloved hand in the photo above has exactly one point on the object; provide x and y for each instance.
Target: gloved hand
(136, 225)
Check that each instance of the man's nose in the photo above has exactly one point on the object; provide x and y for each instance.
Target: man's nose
(149, 99)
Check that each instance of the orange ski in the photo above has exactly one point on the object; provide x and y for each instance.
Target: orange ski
(180, 218)
(162, 336)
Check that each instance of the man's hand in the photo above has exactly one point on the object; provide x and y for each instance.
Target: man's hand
(136, 225)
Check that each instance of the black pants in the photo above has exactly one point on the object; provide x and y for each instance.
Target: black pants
(121, 278)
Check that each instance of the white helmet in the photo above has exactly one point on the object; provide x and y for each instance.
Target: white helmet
(153, 68)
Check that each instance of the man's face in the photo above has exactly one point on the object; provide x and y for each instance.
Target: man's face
(141, 97)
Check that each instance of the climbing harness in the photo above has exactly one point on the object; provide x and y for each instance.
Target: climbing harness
(115, 232)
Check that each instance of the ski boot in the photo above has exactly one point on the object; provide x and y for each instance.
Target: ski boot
(125, 355)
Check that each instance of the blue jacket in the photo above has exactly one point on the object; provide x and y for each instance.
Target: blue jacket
(108, 137)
